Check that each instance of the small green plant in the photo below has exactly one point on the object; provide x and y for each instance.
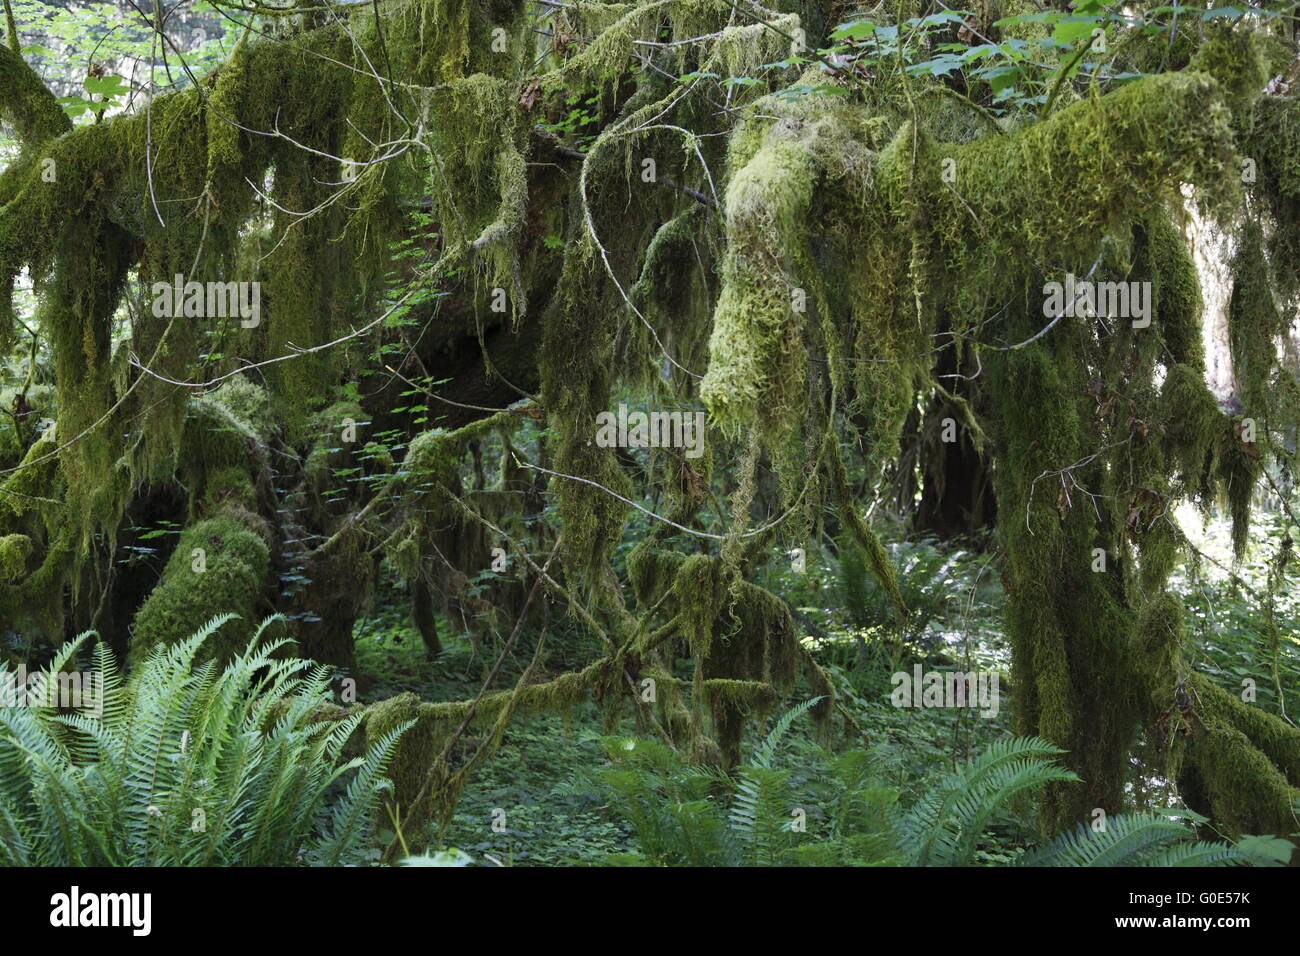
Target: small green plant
(186, 765)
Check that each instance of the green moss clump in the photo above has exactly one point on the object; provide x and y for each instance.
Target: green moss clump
(31, 485)
(220, 565)
(15, 550)
(250, 405)
(229, 486)
(1236, 59)
(325, 433)
(221, 454)
(417, 749)
(37, 599)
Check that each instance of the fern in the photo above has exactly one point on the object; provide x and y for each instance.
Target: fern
(188, 765)
(945, 825)
(676, 823)
(1135, 839)
(667, 806)
(922, 570)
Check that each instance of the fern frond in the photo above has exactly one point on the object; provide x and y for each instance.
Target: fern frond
(353, 816)
(1127, 839)
(945, 823)
(767, 752)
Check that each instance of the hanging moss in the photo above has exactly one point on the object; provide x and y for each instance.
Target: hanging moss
(1254, 325)
(733, 703)
(37, 118)
(1176, 292)
(675, 292)
(197, 151)
(1272, 149)
(608, 55)
(1069, 630)
(1194, 428)
(869, 544)
(1237, 60)
(1049, 192)
(650, 570)
(756, 354)
(575, 388)
(1249, 762)
(475, 131)
(701, 589)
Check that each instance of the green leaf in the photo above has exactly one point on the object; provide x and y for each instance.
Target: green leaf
(109, 86)
(857, 30)
(1046, 16)
(1003, 78)
(939, 19)
(1073, 29)
(1183, 814)
(1267, 849)
(941, 65)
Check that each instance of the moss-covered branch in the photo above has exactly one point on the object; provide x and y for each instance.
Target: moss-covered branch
(26, 103)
